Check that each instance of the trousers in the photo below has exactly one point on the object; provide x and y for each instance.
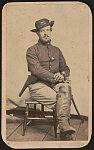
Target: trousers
(59, 95)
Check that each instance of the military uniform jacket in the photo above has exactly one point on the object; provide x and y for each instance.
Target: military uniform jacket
(44, 60)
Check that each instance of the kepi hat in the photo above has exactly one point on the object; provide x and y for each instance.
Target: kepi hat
(41, 24)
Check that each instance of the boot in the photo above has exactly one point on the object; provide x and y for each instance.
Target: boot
(63, 110)
(66, 129)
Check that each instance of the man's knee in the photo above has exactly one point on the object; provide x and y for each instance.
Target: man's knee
(64, 91)
(64, 86)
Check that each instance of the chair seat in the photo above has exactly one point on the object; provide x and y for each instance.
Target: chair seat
(31, 101)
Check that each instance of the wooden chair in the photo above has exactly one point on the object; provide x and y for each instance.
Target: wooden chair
(41, 115)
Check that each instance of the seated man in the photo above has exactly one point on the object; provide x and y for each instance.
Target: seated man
(48, 69)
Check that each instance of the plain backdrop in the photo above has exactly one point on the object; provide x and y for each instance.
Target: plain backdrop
(70, 33)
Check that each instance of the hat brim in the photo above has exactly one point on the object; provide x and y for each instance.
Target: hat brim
(49, 24)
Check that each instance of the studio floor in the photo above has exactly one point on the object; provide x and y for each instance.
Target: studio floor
(42, 130)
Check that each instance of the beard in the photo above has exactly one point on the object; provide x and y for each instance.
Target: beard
(45, 39)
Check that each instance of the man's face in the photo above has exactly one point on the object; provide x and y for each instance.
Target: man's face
(45, 34)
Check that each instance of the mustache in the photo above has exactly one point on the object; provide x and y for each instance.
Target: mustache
(45, 36)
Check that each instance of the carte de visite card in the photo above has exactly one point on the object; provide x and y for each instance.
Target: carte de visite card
(71, 32)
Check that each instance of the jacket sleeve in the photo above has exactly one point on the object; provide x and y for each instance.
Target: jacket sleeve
(62, 65)
(35, 68)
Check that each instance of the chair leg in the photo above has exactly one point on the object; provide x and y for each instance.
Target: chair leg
(55, 121)
(33, 121)
(24, 125)
(42, 110)
(25, 119)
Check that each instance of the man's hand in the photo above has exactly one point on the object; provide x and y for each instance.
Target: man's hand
(58, 77)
